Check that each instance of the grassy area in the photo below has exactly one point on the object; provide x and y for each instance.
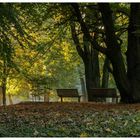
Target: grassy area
(70, 120)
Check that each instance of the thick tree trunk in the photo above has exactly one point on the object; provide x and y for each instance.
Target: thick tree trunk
(91, 62)
(114, 54)
(133, 51)
(92, 70)
(92, 74)
(120, 77)
(105, 77)
(95, 67)
(127, 83)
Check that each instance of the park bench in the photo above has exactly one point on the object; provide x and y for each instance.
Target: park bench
(72, 93)
(103, 93)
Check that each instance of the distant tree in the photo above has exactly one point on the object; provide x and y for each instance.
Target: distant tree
(7, 22)
(13, 31)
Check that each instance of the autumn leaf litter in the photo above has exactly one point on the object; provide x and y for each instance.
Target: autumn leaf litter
(70, 120)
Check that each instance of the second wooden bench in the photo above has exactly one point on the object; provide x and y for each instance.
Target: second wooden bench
(103, 93)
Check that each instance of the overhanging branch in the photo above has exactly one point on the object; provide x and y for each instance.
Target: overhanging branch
(76, 41)
(85, 29)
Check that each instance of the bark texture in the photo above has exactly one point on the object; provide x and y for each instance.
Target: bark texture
(127, 83)
(114, 54)
(91, 61)
(133, 51)
(105, 77)
(4, 82)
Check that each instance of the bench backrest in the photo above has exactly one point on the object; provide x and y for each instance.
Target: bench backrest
(103, 92)
(67, 92)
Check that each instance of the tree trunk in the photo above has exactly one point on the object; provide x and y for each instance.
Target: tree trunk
(92, 73)
(4, 91)
(127, 82)
(1, 97)
(105, 77)
(114, 54)
(91, 62)
(120, 77)
(133, 51)
(4, 82)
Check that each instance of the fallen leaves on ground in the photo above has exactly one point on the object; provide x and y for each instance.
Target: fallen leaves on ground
(36, 119)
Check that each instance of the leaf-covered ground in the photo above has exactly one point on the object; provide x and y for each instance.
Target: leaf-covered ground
(70, 120)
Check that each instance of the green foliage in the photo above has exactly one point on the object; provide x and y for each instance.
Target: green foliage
(34, 49)
(36, 42)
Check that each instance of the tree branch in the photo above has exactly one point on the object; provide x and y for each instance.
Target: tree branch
(85, 29)
(111, 38)
(76, 41)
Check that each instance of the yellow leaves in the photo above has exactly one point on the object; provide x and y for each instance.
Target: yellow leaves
(57, 18)
(16, 86)
(84, 134)
(49, 74)
(66, 51)
(121, 19)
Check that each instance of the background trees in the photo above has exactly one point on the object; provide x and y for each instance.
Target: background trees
(9, 29)
(33, 51)
(54, 43)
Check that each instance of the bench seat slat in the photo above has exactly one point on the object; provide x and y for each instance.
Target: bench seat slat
(67, 93)
(103, 92)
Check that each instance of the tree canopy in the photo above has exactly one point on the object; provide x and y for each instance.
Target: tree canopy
(54, 44)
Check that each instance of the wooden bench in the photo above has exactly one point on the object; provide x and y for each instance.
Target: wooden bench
(103, 93)
(68, 93)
